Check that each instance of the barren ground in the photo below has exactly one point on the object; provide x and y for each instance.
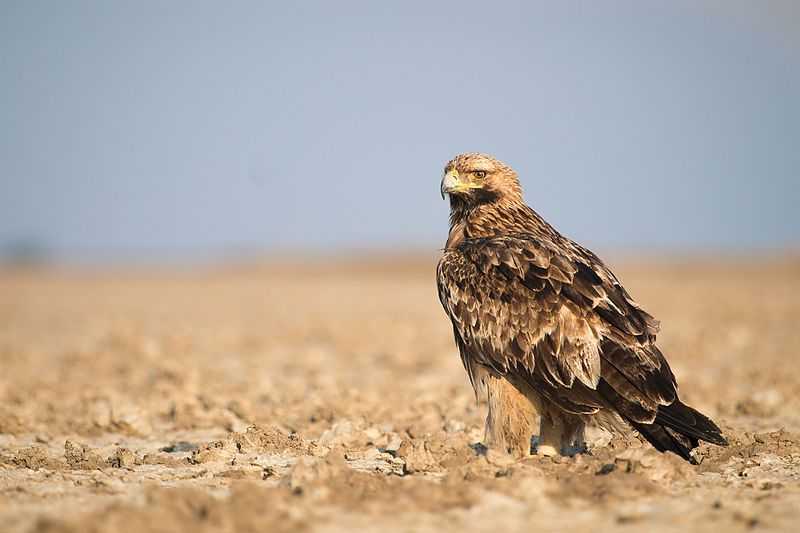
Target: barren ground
(329, 396)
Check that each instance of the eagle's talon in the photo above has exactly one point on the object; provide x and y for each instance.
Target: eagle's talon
(547, 451)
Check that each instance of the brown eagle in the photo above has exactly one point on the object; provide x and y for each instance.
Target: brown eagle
(545, 328)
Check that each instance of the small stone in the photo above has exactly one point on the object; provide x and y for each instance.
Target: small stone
(33, 458)
(498, 458)
(122, 458)
(417, 456)
(80, 456)
(393, 444)
(454, 426)
(179, 447)
(606, 469)
(215, 451)
(374, 460)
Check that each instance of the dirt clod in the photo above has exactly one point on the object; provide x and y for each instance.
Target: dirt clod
(80, 456)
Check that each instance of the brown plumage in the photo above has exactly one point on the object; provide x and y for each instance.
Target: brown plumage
(544, 327)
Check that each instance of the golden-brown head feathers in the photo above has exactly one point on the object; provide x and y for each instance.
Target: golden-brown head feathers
(474, 178)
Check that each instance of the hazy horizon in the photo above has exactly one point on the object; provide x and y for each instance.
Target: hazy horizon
(186, 130)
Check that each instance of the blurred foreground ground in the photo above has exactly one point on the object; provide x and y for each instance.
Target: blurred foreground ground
(329, 396)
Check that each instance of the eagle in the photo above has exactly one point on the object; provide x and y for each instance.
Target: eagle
(546, 331)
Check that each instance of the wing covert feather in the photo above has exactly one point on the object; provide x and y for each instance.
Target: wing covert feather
(561, 323)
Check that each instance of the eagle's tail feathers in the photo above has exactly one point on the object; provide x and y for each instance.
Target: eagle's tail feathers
(665, 439)
(678, 428)
(690, 422)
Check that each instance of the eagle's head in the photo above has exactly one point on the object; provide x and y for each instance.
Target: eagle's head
(472, 179)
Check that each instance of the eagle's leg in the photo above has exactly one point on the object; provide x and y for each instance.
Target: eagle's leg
(574, 439)
(560, 434)
(551, 433)
(510, 424)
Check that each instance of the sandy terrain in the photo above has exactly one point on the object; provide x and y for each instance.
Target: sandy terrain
(330, 397)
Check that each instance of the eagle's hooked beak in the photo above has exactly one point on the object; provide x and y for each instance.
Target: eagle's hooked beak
(450, 183)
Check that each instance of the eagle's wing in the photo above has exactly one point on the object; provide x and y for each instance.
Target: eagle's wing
(560, 321)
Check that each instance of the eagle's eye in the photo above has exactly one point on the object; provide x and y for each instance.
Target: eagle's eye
(480, 174)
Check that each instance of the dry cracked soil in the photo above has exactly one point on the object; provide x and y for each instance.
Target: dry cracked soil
(328, 396)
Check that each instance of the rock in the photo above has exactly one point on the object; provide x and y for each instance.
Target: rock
(33, 458)
(373, 434)
(122, 458)
(654, 465)
(417, 456)
(606, 469)
(498, 458)
(81, 457)
(304, 472)
(179, 447)
(632, 459)
(214, 451)
(374, 460)
(308, 473)
(393, 443)
(270, 439)
(242, 473)
(342, 433)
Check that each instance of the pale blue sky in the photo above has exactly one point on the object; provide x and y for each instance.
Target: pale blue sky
(180, 128)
